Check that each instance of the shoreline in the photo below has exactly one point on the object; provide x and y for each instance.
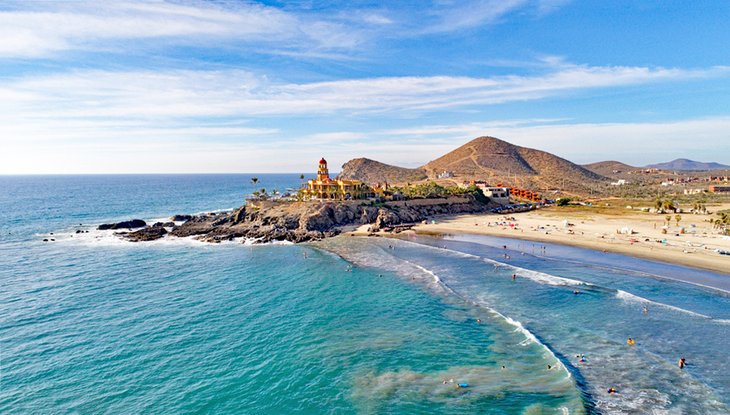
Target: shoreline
(633, 245)
(597, 232)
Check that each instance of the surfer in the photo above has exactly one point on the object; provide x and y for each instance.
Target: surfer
(612, 390)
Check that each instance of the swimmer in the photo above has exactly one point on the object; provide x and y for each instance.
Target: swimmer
(611, 390)
(645, 310)
(630, 341)
(576, 292)
(445, 382)
(681, 363)
(504, 367)
(479, 320)
(549, 367)
(514, 277)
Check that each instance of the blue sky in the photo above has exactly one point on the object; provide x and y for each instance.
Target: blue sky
(238, 86)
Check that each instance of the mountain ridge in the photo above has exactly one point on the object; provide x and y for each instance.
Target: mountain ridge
(684, 164)
(484, 158)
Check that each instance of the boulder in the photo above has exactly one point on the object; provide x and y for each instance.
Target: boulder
(181, 218)
(149, 233)
(129, 224)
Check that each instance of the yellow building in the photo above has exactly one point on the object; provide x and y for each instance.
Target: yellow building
(323, 187)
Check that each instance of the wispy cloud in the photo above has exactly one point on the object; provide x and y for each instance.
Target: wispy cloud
(232, 93)
(39, 29)
(457, 15)
(48, 29)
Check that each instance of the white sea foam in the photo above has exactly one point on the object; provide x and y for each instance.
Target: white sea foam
(626, 296)
(519, 327)
(95, 237)
(539, 277)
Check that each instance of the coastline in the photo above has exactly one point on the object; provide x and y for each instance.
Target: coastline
(598, 232)
(601, 236)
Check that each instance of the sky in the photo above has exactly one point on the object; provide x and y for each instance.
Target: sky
(241, 86)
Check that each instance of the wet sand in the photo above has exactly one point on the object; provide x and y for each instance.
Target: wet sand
(635, 234)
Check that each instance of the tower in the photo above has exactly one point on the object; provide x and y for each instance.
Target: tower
(322, 173)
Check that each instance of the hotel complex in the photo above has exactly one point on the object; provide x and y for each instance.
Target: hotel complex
(323, 187)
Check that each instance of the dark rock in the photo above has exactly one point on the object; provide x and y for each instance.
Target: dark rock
(129, 224)
(149, 233)
(181, 218)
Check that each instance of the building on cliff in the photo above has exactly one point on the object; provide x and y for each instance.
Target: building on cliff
(324, 187)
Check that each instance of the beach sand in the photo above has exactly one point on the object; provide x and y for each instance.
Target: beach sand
(632, 233)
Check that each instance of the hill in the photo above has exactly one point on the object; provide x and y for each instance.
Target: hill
(495, 160)
(610, 168)
(688, 165)
(371, 171)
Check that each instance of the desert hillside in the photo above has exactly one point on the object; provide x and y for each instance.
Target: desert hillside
(371, 171)
(610, 168)
(492, 159)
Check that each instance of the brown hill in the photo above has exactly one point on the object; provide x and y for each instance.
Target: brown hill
(495, 160)
(371, 171)
(610, 168)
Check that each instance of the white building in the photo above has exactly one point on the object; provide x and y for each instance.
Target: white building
(496, 194)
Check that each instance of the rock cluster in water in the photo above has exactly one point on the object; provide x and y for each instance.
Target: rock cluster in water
(269, 221)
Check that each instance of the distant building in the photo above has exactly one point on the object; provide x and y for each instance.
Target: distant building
(719, 189)
(323, 187)
(496, 194)
(693, 191)
(619, 182)
(445, 175)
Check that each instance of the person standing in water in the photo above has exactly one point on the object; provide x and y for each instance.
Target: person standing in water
(681, 363)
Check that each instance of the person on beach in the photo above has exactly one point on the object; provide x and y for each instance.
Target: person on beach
(681, 363)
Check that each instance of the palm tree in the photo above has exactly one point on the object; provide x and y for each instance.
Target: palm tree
(669, 219)
(677, 218)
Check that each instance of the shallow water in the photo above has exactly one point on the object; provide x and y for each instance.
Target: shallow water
(682, 319)
(90, 324)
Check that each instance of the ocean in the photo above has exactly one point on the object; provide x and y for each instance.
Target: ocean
(90, 324)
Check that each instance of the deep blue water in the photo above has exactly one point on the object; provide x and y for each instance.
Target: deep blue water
(90, 324)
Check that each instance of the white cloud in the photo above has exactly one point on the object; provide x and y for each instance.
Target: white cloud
(705, 139)
(464, 14)
(96, 111)
(151, 95)
(62, 26)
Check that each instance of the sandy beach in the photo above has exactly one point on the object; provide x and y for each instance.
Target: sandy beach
(632, 233)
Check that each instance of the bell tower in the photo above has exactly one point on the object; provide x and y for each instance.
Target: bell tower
(322, 173)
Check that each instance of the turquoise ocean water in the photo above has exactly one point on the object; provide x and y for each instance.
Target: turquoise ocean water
(90, 324)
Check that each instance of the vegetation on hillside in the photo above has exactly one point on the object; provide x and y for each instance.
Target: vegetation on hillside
(433, 190)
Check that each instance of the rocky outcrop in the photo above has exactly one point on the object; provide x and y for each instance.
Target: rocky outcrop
(149, 233)
(129, 224)
(181, 218)
(305, 221)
